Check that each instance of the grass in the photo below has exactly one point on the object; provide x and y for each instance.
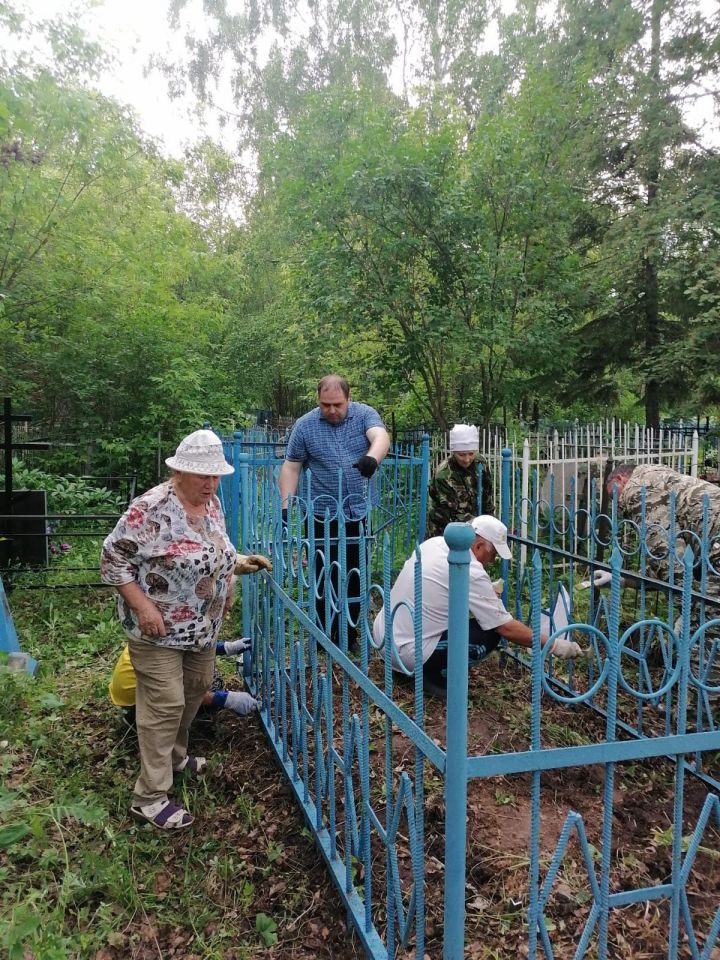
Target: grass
(74, 561)
(77, 878)
(71, 879)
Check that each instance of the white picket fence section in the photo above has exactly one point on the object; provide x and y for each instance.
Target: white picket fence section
(573, 457)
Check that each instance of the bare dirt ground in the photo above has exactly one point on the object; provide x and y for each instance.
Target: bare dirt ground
(499, 829)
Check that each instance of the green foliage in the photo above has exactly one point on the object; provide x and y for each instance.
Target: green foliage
(467, 230)
(113, 304)
(536, 228)
(71, 881)
(267, 928)
(66, 494)
(400, 257)
(77, 876)
(12, 832)
(650, 176)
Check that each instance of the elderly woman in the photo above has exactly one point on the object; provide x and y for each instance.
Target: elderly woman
(172, 564)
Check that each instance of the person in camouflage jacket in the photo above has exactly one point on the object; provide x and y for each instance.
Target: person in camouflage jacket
(664, 549)
(659, 482)
(453, 490)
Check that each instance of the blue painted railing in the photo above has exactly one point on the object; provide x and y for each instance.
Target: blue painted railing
(650, 640)
(335, 723)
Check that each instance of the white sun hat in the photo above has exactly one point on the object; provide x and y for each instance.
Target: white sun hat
(464, 438)
(494, 531)
(200, 452)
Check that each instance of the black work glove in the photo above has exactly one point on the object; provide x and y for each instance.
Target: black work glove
(366, 466)
(284, 516)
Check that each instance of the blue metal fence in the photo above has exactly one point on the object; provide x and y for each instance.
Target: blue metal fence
(352, 733)
(650, 619)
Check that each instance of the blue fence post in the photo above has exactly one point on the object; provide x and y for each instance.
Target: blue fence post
(682, 710)
(424, 481)
(535, 745)
(459, 538)
(242, 472)
(235, 490)
(614, 654)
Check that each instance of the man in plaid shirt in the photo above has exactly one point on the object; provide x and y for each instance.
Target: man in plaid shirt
(341, 443)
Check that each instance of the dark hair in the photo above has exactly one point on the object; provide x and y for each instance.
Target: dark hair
(621, 472)
(333, 380)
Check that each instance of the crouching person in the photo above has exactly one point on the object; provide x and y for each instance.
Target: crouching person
(490, 622)
(122, 685)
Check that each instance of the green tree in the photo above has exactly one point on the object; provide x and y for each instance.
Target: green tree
(266, 57)
(644, 63)
(113, 306)
(446, 262)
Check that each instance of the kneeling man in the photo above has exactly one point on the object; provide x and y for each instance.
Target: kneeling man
(489, 623)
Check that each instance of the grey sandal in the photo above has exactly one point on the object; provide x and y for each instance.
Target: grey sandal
(165, 815)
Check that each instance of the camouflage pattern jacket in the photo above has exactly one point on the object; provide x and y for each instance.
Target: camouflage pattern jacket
(660, 482)
(452, 494)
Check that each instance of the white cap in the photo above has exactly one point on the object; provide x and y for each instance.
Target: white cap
(494, 531)
(200, 452)
(464, 438)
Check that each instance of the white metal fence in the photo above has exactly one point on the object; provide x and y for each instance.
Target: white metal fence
(565, 469)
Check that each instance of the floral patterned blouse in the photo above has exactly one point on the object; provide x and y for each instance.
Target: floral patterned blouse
(184, 569)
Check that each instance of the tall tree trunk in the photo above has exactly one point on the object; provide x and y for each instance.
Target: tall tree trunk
(650, 278)
(652, 341)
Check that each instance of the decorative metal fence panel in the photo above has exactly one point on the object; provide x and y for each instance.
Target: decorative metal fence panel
(322, 711)
(360, 746)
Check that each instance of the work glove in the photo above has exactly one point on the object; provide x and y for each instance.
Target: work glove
(366, 466)
(498, 586)
(601, 578)
(566, 649)
(242, 703)
(237, 646)
(252, 563)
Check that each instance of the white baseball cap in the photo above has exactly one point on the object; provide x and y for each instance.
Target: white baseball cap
(495, 532)
(464, 438)
(200, 452)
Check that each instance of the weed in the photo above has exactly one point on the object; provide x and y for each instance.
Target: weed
(274, 851)
(267, 928)
(563, 735)
(71, 883)
(247, 811)
(504, 799)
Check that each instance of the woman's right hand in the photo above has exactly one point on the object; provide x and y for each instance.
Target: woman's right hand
(150, 620)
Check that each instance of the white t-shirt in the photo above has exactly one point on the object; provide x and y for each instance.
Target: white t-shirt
(485, 605)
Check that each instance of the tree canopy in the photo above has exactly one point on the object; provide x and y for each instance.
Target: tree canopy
(464, 211)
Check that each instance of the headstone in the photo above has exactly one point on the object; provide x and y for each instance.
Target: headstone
(563, 471)
(23, 535)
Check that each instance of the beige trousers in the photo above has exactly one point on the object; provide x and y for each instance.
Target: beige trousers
(171, 683)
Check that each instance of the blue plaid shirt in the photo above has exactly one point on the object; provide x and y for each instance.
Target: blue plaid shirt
(324, 448)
